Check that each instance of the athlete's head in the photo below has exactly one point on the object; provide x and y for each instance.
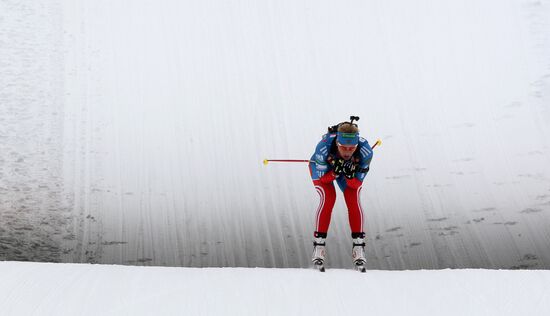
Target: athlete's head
(347, 140)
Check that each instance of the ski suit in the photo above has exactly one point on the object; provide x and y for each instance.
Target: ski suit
(323, 178)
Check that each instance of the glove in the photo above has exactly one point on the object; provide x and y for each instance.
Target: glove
(336, 164)
(349, 169)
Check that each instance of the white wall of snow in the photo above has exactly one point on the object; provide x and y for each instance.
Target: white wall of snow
(169, 108)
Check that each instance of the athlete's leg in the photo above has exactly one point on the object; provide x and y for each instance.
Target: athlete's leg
(355, 211)
(327, 194)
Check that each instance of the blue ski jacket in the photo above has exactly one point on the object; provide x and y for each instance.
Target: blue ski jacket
(327, 147)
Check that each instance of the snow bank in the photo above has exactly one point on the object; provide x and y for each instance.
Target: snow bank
(84, 289)
(104, 156)
(454, 90)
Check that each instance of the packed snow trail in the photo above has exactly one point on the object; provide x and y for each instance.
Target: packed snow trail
(70, 289)
(133, 132)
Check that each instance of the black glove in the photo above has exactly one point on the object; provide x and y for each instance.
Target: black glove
(349, 169)
(337, 165)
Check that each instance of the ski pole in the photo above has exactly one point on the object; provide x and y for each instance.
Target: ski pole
(266, 161)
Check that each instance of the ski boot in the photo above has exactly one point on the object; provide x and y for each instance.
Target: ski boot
(319, 252)
(358, 252)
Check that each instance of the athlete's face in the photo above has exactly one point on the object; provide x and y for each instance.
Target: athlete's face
(346, 151)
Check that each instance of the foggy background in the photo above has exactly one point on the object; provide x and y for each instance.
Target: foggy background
(133, 132)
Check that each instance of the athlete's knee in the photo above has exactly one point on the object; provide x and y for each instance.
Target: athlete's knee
(327, 194)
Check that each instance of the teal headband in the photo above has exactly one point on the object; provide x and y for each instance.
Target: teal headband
(347, 138)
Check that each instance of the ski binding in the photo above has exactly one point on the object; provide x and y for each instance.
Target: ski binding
(319, 265)
(360, 266)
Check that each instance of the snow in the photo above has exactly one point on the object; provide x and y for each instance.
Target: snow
(133, 132)
(171, 108)
(84, 289)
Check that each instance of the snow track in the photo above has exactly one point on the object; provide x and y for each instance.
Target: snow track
(133, 132)
(69, 289)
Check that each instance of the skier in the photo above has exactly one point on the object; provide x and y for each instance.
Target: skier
(343, 156)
